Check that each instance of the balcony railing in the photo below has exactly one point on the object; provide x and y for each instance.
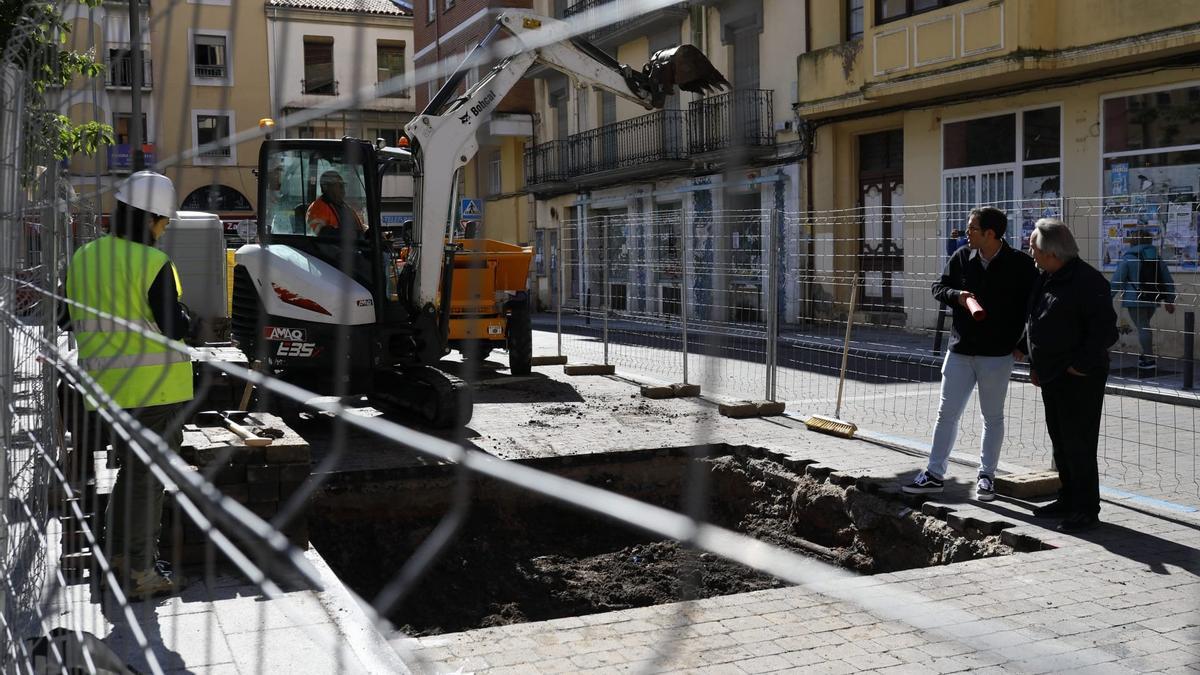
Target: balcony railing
(321, 87)
(740, 118)
(119, 73)
(211, 72)
(658, 136)
(548, 163)
(743, 118)
(655, 137)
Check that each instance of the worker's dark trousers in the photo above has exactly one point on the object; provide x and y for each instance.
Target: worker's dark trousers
(1074, 406)
(134, 514)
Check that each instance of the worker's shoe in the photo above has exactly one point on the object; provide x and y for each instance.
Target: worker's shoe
(157, 581)
(924, 484)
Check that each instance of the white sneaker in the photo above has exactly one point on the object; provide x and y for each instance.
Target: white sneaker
(985, 490)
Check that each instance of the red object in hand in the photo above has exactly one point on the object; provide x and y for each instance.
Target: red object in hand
(976, 309)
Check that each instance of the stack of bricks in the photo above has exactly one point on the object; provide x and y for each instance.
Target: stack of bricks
(262, 479)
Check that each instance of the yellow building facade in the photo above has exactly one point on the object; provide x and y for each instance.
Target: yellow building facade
(1081, 109)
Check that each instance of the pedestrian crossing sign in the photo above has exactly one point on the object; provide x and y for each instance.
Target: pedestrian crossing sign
(472, 209)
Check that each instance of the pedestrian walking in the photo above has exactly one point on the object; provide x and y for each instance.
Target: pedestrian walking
(121, 275)
(1071, 326)
(999, 278)
(1144, 282)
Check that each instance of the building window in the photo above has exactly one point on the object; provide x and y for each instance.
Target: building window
(449, 4)
(854, 19)
(318, 66)
(430, 11)
(390, 57)
(121, 128)
(209, 58)
(1009, 161)
(213, 126)
(1149, 163)
(890, 10)
(495, 184)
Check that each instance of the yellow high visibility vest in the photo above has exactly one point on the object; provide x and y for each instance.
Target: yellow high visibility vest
(111, 276)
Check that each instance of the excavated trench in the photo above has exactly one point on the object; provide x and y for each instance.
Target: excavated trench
(522, 558)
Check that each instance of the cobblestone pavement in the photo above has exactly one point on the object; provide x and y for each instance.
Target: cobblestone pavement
(1122, 598)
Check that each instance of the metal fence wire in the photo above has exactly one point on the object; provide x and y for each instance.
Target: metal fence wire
(750, 302)
(900, 333)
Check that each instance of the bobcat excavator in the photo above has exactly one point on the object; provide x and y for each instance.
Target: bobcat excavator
(330, 300)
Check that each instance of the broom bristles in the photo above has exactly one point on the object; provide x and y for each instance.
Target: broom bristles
(831, 425)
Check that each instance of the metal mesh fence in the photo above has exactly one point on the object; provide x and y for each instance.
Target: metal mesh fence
(900, 333)
(751, 302)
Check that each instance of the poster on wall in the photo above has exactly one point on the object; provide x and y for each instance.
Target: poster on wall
(1172, 220)
(1118, 180)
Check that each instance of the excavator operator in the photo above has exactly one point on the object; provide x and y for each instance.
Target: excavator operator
(327, 213)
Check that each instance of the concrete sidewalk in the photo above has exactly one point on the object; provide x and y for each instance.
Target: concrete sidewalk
(223, 625)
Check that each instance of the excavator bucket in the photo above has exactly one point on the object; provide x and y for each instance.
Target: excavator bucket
(685, 67)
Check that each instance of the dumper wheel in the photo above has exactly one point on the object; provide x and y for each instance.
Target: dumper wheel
(520, 339)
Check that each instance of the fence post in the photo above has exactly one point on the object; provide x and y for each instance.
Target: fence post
(684, 284)
(772, 327)
(604, 280)
(560, 271)
(11, 89)
(1189, 350)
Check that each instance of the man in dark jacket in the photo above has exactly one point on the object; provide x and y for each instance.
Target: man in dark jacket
(1000, 278)
(1071, 326)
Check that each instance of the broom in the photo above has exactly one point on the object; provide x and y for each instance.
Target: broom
(833, 425)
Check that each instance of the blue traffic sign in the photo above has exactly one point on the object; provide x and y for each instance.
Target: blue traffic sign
(472, 209)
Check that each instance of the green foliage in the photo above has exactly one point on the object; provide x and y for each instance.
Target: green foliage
(35, 36)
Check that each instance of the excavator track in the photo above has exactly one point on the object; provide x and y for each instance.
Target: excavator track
(440, 399)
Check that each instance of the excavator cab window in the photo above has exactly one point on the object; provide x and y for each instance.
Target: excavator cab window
(314, 192)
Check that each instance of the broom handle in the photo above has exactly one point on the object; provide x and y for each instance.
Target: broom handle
(837, 411)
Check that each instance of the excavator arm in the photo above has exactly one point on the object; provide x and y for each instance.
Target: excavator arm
(443, 136)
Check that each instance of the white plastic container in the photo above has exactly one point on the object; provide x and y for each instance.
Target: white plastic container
(196, 243)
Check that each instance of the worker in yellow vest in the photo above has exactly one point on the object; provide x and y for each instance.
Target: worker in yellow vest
(123, 292)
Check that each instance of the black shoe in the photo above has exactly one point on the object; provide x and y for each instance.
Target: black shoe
(1079, 523)
(1052, 510)
(924, 483)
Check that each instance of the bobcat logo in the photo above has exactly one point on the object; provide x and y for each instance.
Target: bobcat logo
(465, 117)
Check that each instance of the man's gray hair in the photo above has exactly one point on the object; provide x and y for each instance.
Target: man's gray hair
(1055, 238)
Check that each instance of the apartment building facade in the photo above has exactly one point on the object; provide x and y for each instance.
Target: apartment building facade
(1077, 108)
(444, 32)
(710, 169)
(105, 31)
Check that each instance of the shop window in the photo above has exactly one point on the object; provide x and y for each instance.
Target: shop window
(1150, 164)
(1009, 161)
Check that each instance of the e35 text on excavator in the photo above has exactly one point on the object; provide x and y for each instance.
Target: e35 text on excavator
(330, 300)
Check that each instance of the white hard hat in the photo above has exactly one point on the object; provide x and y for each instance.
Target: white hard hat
(149, 191)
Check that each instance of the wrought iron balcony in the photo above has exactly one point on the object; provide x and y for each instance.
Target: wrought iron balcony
(658, 136)
(119, 72)
(740, 118)
(644, 141)
(547, 163)
(640, 24)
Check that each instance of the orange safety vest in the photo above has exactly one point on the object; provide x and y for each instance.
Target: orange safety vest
(322, 214)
